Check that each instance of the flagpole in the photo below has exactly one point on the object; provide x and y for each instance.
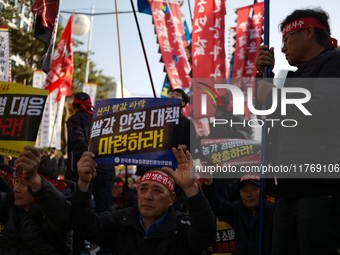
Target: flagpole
(119, 52)
(89, 49)
(190, 11)
(145, 56)
(264, 133)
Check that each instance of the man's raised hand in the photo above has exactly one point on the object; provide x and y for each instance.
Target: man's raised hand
(86, 170)
(182, 173)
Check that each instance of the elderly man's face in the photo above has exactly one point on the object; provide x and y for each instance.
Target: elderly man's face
(21, 196)
(250, 195)
(154, 200)
(295, 47)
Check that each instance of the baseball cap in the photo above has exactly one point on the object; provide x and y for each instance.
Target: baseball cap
(250, 178)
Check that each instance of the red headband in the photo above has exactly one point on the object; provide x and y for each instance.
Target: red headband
(249, 177)
(83, 104)
(118, 184)
(160, 178)
(6, 174)
(55, 183)
(302, 24)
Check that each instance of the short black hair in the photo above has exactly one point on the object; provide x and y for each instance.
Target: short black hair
(322, 36)
(48, 168)
(185, 97)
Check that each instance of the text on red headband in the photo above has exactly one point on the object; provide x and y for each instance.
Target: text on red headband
(6, 174)
(301, 24)
(160, 178)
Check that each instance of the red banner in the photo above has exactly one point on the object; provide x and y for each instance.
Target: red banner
(208, 53)
(242, 32)
(48, 10)
(61, 72)
(249, 72)
(171, 38)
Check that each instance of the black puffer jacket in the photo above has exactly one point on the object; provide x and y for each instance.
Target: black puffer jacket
(43, 229)
(316, 138)
(122, 231)
(237, 216)
(78, 128)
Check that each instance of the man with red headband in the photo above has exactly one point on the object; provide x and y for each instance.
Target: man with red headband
(78, 127)
(35, 217)
(152, 226)
(307, 217)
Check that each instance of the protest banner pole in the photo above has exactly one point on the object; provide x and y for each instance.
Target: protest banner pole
(190, 11)
(122, 87)
(145, 56)
(119, 52)
(264, 133)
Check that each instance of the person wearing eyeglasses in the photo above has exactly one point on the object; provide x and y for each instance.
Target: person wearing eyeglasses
(307, 217)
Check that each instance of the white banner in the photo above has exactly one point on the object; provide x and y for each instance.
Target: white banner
(91, 90)
(39, 78)
(49, 134)
(4, 54)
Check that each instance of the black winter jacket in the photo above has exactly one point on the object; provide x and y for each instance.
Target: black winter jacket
(79, 128)
(316, 138)
(122, 231)
(43, 229)
(237, 216)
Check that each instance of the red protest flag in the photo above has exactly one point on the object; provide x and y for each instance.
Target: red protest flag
(60, 75)
(47, 10)
(46, 25)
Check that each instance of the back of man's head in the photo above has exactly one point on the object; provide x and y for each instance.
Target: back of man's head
(322, 35)
(82, 100)
(53, 150)
(48, 168)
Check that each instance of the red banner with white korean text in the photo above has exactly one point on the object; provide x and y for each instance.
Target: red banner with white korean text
(61, 72)
(255, 32)
(208, 59)
(208, 55)
(171, 39)
(242, 32)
